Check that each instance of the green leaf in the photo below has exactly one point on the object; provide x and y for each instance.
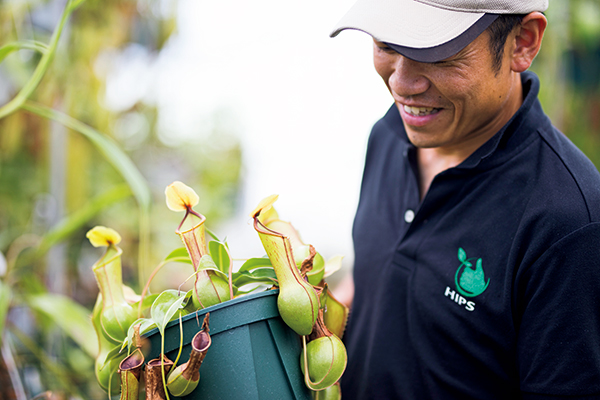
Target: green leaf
(71, 317)
(105, 145)
(166, 305)
(24, 45)
(258, 275)
(206, 262)
(220, 255)
(462, 255)
(178, 255)
(147, 302)
(40, 69)
(146, 325)
(251, 290)
(73, 4)
(5, 297)
(253, 263)
(113, 353)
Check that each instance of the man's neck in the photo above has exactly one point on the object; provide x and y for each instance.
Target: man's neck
(430, 164)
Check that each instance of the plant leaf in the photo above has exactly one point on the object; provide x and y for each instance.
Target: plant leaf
(462, 255)
(220, 256)
(166, 305)
(253, 263)
(106, 145)
(147, 302)
(71, 317)
(206, 262)
(40, 69)
(146, 325)
(73, 4)
(258, 275)
(113, 353)
(22, 45)
(178, 255)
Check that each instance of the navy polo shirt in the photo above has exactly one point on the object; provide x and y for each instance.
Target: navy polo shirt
(489, 288)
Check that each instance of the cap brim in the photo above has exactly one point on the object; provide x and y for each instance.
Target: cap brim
(448, 49)
(413, 27)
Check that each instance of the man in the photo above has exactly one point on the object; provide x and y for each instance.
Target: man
(477, 235)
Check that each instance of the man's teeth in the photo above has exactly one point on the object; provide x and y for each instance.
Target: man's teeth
(420, 110)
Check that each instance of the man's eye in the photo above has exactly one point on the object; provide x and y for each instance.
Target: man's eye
(385, 48)
(443, 63)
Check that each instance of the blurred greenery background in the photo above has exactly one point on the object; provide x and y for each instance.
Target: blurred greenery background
(69, 162)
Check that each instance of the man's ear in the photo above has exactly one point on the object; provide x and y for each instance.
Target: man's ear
(527, 41)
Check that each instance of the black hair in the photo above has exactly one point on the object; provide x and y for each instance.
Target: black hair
(499, 31)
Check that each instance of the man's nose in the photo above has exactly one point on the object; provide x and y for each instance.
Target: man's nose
(407, 78)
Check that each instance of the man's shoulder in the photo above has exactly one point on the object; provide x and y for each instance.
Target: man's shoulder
(570, 167)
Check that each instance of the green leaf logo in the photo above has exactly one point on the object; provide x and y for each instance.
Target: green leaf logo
(470, 281)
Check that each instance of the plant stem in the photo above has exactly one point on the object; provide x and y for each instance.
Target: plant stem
(162, 366)
(40, 69)
(180, 341)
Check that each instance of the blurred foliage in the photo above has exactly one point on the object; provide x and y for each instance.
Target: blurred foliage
(59, 177)
(569, 68)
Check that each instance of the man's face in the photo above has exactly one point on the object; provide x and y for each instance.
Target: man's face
(455, 104)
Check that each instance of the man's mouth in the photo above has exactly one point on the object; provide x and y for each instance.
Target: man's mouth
(420, 111)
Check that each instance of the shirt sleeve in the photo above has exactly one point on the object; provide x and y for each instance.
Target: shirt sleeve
(558, 307)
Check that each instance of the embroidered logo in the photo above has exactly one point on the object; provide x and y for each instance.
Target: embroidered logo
(469, 280)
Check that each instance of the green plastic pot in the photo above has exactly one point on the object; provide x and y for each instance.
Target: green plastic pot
(253, 355)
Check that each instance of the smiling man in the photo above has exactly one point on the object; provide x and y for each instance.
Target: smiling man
(477, 235)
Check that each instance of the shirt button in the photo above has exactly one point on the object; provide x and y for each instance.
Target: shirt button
(409, 216)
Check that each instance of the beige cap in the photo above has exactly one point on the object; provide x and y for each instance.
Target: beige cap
(430, 24)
